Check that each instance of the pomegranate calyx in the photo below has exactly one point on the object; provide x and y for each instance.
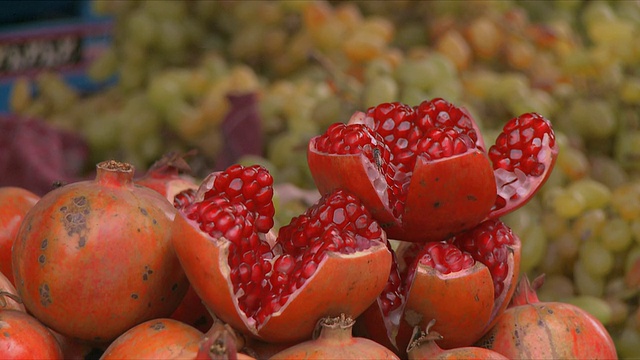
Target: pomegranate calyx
(525, 292)
(3, 301)
(420, 336)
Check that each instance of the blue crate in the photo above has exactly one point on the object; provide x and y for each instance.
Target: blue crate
(63, 36)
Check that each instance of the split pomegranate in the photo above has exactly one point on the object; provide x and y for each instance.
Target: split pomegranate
(333, 340)
(423, 346)
(476, 270)
(277, 290)
(531, 329)
(24, 337)
(14, 204)
(423, 171)
(156, 339)
(94, 258)
(169, 175)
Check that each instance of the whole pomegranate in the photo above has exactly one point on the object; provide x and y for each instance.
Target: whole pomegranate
(14, 204)
(423, 346)
(94, 258)
(332, 259)
(530, 329)
(24, 337)
(333, 339)
(476, 270)
(408, 164)
(156, 339)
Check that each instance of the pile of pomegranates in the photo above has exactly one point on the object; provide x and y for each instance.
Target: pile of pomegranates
(403, 255)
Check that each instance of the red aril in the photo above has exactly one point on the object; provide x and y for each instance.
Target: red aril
(277, 292)
(14, 204)
(475, 270)
(530, 329)
(408, 164)
(94, 258)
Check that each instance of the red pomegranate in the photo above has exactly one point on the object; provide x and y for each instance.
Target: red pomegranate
(334, 340)
(14, 204)
(94, 258)
(169, 175)
(476, 270)
(156, 339)
(530, 329)
(408, 164)
(276, 290)
(423, 346)
(24, 337)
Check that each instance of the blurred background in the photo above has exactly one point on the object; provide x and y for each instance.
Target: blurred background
(253, 81)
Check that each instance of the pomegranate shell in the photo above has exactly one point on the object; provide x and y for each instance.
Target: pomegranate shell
(24, 337)
(336, 287)
(434, 192)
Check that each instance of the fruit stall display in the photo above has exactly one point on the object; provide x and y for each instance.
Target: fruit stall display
(331, 179)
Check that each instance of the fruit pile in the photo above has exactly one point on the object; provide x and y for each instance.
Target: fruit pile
(368, 123)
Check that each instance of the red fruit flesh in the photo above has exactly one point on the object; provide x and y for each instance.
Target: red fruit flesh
(267, 286)
(409, 164)
(523, 156)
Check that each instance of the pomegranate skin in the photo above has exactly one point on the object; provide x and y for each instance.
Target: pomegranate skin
(94, 258)
(14, 204)
(549, 330)
(156, 339)
(24, 337)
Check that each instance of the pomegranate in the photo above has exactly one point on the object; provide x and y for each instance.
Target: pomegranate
(169, 175)
(24, 337)
(530, 329)
(14, 204)
(423, 346)
(9, 299)
(156, 339)
(73, 239)
(193, 312)
(276, 290)
(334, 340)
(476, 270)
(408, 164)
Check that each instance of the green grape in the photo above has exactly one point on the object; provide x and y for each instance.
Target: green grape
(589, 225)
(556, 288)
(625, 201)
(105, 66)
(380, 90)
(634, 227)
(552, 224)
(142, 27)
(595, 306)
(596, 194)
(627, 343)
(627, 149)
(616, 235)
(573, 163)
(606, 171)
(567, 246)
(569, 204)
(485, 36)
(534, 246)
(587, 284)
(597, 260)
(593, 118)
(455, 47)
(630, 90)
